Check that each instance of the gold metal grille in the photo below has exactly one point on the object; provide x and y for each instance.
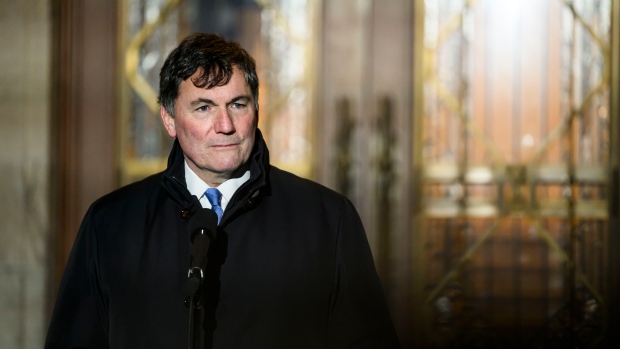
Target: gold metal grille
(515, 159)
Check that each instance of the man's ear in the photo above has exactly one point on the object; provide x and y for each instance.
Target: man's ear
(168, 121)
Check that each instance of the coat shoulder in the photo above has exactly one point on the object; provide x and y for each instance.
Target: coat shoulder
(132, 194)
(286, 182)
(294, 192)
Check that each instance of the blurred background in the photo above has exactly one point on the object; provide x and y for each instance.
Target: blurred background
(479, 141)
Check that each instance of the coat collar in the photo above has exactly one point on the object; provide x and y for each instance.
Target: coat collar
(174, 183)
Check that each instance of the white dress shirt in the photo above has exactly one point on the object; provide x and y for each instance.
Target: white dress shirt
(198, 187)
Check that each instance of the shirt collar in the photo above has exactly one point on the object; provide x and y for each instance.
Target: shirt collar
(197, 186)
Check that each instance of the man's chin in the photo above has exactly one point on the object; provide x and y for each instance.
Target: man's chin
(225, 171)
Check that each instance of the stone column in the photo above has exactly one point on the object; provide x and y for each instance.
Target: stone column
(24, 166)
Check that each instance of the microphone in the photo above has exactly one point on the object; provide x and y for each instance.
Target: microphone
(203, 229)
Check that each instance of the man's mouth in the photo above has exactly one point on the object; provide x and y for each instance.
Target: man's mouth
(221, 146)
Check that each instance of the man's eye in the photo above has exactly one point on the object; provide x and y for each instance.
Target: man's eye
(237, 105)
(202, 108)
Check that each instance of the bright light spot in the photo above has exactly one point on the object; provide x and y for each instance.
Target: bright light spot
(150, 60)
(527, 140)
(152, 12)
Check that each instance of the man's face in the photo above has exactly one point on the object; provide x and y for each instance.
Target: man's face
(215, 126)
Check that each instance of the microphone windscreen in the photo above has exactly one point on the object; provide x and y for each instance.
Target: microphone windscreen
(204, 219)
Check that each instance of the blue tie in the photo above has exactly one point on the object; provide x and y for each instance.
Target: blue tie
(215, 198)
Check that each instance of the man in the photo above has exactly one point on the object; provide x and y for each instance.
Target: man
(290, 267)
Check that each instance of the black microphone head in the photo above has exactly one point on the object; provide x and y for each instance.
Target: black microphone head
(204, 219)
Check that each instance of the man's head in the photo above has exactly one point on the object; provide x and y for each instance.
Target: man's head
(214, 57)
(208, 102)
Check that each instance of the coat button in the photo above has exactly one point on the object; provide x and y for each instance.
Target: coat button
(185, 214)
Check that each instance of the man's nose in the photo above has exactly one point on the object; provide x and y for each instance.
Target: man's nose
(223, 122)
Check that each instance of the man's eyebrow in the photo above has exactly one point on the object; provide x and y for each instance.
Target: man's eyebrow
(242, 98)
(201, 101)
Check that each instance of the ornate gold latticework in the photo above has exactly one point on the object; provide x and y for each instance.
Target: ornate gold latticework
(475, 181)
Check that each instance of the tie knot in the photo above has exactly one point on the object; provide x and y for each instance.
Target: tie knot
(214, 196)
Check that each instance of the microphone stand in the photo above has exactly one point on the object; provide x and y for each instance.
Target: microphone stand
(203, 229)
(196, 310)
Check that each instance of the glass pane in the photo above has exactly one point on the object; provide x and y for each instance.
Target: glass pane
(515, 155)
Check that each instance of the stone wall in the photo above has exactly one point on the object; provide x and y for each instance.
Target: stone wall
(25, 28)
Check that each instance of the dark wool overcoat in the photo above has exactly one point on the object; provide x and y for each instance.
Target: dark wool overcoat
(291, 268)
